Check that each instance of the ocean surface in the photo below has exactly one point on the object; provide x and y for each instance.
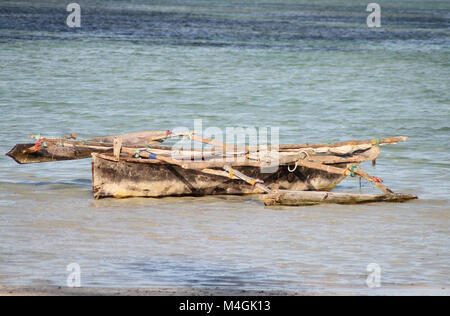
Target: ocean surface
(312, 68)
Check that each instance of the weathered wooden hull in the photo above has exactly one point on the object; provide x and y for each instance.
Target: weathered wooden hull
(130, 177)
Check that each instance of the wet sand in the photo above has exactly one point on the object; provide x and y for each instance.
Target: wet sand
(66, 291)
(411, 290)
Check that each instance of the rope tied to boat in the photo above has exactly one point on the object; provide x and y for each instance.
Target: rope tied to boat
(305, 155)
(295, 167)
(36, 145)
(351, 170)
(39, 140)
(377, 180)
(329, 148)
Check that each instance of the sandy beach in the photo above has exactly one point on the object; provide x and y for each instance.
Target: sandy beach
(411, 290)
(66, 291)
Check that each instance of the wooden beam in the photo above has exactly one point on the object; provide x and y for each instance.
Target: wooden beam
(302, 198)
(256, 182)
(117, 147)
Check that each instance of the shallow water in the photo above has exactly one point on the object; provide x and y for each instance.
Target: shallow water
(315, 71)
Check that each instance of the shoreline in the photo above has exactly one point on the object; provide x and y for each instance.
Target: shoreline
(47, 290)
(93, 291)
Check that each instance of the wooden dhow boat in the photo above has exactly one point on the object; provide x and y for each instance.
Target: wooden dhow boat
(136, 165)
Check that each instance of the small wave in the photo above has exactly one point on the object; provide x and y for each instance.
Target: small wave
(74, 182)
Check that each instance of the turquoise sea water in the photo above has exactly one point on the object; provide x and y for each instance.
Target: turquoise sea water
(316, 71)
